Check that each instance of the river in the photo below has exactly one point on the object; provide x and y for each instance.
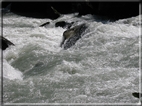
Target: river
(103, 67)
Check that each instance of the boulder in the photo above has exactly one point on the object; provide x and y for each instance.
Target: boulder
(5, 43)
(63, 24)
(71, 36)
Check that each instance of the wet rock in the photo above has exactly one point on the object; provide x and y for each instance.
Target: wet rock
(45, 24)
(63, 24)
(137, 95)
(70, 36)
(5, 43)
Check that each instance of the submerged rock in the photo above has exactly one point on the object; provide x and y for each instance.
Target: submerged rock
(5, 43)
(72, 35)
(63, 24)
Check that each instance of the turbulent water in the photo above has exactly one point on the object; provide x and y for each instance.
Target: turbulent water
(102, 67)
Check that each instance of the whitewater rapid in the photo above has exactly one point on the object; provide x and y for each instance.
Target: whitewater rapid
(102, 67)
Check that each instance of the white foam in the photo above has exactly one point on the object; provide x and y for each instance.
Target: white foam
(95, 68)
(11, 73)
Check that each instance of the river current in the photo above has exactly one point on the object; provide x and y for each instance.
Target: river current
(102, 67)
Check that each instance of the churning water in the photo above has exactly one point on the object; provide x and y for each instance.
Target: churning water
(102, 67)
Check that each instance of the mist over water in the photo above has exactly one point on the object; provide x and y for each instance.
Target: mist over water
(102, 67)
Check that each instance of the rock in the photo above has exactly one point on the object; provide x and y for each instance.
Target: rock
(63, 24)
(137, 95)
(45, 24)
(72, 35)
(5, 43)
